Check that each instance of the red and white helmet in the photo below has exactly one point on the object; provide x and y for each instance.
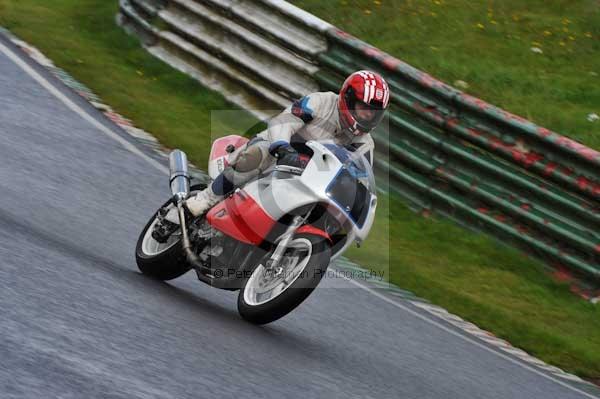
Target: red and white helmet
(368, 88)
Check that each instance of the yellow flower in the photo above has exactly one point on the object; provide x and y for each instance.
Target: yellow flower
(562, 43)
(571, 38)
(588, 34)
(493, 22)
(536, 44)
(480, 26)
(368, 12)
(566, 21)
(433, 14)
(547, 33)
(438, 2)
(377, 2)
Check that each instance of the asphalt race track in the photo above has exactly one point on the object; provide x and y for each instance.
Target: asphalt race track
(79, 321)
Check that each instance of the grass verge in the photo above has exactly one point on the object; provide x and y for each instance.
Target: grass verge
(469, 274)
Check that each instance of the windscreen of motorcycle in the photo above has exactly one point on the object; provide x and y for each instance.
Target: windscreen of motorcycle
(354, 185)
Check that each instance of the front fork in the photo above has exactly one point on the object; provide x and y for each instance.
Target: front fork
(272, 264)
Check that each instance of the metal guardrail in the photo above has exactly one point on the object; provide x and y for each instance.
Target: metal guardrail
(481, 165)
(258, 58)
(447, 151)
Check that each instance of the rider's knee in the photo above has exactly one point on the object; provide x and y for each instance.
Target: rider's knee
(255, 157)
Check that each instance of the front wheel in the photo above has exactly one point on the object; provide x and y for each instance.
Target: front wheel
(268, 295)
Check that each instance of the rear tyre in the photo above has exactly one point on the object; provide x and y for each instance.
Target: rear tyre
(266, 297)
(162, 261)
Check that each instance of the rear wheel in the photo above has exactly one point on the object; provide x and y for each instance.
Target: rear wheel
(163, 261)
(269, 295)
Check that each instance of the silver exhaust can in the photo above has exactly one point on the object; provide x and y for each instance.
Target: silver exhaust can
(179, 179)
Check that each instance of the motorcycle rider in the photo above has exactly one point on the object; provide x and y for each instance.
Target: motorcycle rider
(347, 119)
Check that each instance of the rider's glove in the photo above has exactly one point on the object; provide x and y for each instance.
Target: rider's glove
(286, 154)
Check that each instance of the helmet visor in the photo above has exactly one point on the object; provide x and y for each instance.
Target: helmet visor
(367, 116)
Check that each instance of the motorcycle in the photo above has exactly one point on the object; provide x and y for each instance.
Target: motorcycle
(273, 238)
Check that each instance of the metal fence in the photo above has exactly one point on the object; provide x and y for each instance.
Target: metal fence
(447, 152)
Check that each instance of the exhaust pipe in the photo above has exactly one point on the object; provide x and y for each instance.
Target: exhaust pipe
(192, 258)
(179, 179)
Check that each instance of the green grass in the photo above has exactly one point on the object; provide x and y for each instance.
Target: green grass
(488, 45)
(469, 274)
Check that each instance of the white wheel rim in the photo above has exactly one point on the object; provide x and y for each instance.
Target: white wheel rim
(263, 287)
(151, 247)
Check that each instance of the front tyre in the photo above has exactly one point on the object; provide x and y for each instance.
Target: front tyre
(267, 296)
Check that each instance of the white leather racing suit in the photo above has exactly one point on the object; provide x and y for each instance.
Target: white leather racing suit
(314, 117)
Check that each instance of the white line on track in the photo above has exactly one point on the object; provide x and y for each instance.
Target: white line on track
(77, 109)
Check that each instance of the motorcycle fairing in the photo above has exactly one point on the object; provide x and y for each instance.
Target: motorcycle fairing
(241, 217)
(279, 197)
(219, 157)
(309, 229)
(251, 213)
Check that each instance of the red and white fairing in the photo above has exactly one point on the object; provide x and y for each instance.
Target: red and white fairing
(219, 157)
(253, 210)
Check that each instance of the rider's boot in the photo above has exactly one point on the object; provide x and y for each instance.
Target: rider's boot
(204, 200)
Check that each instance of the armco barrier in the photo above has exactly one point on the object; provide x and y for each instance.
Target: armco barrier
(481, 165)
(447, 151)
(257, 57)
